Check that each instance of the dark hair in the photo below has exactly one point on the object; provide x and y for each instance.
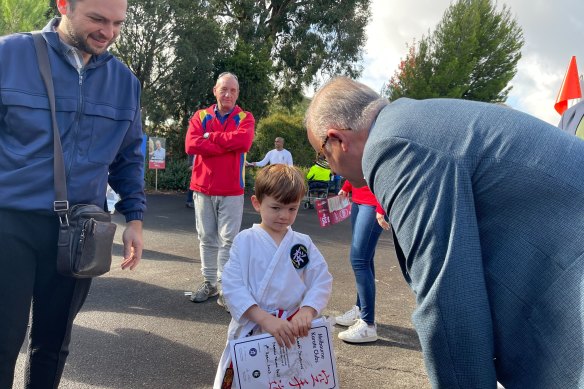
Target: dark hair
(282, 182)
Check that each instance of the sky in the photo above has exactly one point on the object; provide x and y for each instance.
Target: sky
(553, 32)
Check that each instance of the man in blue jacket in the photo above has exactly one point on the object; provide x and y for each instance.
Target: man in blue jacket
(98, 113)
(485, 203)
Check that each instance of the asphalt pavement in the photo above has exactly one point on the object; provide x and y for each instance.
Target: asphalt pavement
(138, 330)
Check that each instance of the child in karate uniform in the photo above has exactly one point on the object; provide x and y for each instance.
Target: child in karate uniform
(276, 280)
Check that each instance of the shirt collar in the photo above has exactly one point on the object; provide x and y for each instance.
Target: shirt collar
(218, 114)
(72, 53)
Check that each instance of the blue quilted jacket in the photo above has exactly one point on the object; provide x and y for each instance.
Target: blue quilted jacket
(98, 113)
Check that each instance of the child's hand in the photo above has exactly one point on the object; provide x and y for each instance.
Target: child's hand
(302, 321)
(381, 221)
(280, 329)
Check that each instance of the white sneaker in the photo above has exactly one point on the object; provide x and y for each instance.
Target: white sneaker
(350, 317)
(359, 332)
(221, 301)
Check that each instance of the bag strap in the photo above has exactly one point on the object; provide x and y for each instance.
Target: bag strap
(60, 205)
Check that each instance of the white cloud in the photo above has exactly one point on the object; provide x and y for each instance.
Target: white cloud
(553, 33)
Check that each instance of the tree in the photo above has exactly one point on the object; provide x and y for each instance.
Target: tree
(170, 46)
(21, 15)
(253, 68)
(472, 54)
(52, 10)
(304, 39)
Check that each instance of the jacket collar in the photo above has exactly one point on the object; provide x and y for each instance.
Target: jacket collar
(213, 110)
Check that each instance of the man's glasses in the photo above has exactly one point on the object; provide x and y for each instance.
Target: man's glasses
(320, 154)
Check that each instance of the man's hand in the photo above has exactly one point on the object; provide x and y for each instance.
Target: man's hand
(133, 244)
(342, 193)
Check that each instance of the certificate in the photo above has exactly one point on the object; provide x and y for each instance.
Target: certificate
(260, 363)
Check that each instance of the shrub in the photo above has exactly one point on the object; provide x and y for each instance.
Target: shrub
(288, 126)
(176, 176)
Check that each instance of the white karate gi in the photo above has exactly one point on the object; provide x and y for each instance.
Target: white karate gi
(260, 272)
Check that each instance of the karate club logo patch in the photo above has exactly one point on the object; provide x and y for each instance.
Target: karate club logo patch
(299, 256)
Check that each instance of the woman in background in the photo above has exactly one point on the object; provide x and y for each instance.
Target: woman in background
(367, 222)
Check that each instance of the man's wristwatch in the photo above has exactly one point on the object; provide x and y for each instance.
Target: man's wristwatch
(206, 135)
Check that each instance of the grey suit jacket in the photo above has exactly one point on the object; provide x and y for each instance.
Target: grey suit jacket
(487, 205)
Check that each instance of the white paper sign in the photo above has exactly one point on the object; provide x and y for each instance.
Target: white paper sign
(260, 363)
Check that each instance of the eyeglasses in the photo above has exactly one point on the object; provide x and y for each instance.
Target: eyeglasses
(320, 153)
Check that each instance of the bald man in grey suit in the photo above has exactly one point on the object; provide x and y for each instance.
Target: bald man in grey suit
(486, 205)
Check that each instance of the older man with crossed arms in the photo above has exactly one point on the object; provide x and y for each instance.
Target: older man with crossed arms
(219, 135)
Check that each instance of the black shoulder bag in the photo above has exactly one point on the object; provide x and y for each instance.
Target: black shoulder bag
(86, 233)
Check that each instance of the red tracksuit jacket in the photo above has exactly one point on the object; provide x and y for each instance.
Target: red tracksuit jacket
(219, 165)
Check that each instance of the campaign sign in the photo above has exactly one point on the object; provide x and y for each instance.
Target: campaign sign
(332, 210)
(156, 153)
(260, 363)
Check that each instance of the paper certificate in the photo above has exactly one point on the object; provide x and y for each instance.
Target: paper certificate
(260, 363)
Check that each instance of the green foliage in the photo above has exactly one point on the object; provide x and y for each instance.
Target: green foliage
(22, 15)
(472, 54)
(253, 69)
(250, 175)
(288, 126)
(177, 48)
(305, 39)
(170, 46)
(176, 176)
(52, 10)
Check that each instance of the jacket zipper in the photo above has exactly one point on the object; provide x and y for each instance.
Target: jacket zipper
(76, 123)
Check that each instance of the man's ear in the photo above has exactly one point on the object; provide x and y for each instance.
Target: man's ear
(62, 6)
(341, 136)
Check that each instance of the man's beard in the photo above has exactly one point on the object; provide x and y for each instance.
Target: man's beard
(79, 42)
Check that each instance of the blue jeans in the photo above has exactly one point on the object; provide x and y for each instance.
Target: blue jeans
(190, 196)
(366, 233)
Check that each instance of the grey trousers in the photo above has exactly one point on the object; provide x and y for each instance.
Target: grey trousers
(218, 219)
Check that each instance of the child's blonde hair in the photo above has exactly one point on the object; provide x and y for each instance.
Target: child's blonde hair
(282, 182)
